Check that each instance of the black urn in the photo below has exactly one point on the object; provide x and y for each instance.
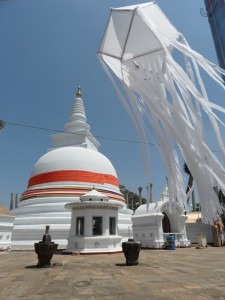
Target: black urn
(45, 250)
(131, 250)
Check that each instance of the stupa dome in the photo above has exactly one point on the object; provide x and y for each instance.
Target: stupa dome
(73, 164)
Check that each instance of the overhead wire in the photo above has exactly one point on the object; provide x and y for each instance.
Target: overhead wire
(77, 133)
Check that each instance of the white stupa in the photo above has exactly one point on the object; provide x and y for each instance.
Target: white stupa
(67, 171)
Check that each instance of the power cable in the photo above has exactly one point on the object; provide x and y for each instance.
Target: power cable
(77, 133)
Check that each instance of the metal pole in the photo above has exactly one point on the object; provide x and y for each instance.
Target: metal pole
(150, 192)
(140, 197)
(11, 201)
(16, 201)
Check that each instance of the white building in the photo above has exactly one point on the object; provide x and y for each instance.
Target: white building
(153, 222)
(94, 225)
(6, 228)
(195, 227)
(67, 171)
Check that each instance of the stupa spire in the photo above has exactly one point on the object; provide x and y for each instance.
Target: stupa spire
(77, 129)
(79, 92)
(77, 120)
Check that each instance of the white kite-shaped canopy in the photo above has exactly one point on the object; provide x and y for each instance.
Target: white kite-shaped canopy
(137, 47)
(123, 39)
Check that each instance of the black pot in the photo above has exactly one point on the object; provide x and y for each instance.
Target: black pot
(45, 252)
(131, 250)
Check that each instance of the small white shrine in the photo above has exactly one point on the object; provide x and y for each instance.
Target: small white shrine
(195, 227)
(153, 222)
(6, 228)
(94, 225)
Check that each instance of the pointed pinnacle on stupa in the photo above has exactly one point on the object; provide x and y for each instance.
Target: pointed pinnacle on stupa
(79, 92)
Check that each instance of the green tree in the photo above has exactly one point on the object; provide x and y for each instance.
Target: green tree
(190, 178)
(189, 186)
(221, 198)
(132, 199)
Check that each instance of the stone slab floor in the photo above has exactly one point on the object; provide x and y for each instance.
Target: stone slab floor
(161, 274)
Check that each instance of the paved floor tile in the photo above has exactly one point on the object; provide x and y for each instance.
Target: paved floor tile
(181, 274)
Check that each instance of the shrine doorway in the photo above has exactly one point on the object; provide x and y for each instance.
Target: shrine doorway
(166, 224)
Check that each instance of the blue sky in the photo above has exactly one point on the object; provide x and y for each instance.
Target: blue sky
(48, 48)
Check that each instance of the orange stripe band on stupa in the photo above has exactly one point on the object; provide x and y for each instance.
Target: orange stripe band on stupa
(66, 191)
(73, 175)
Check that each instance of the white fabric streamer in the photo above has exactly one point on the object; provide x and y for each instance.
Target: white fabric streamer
(137, 47)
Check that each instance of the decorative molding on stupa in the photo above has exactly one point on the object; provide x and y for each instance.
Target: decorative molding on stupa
(77, 130)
